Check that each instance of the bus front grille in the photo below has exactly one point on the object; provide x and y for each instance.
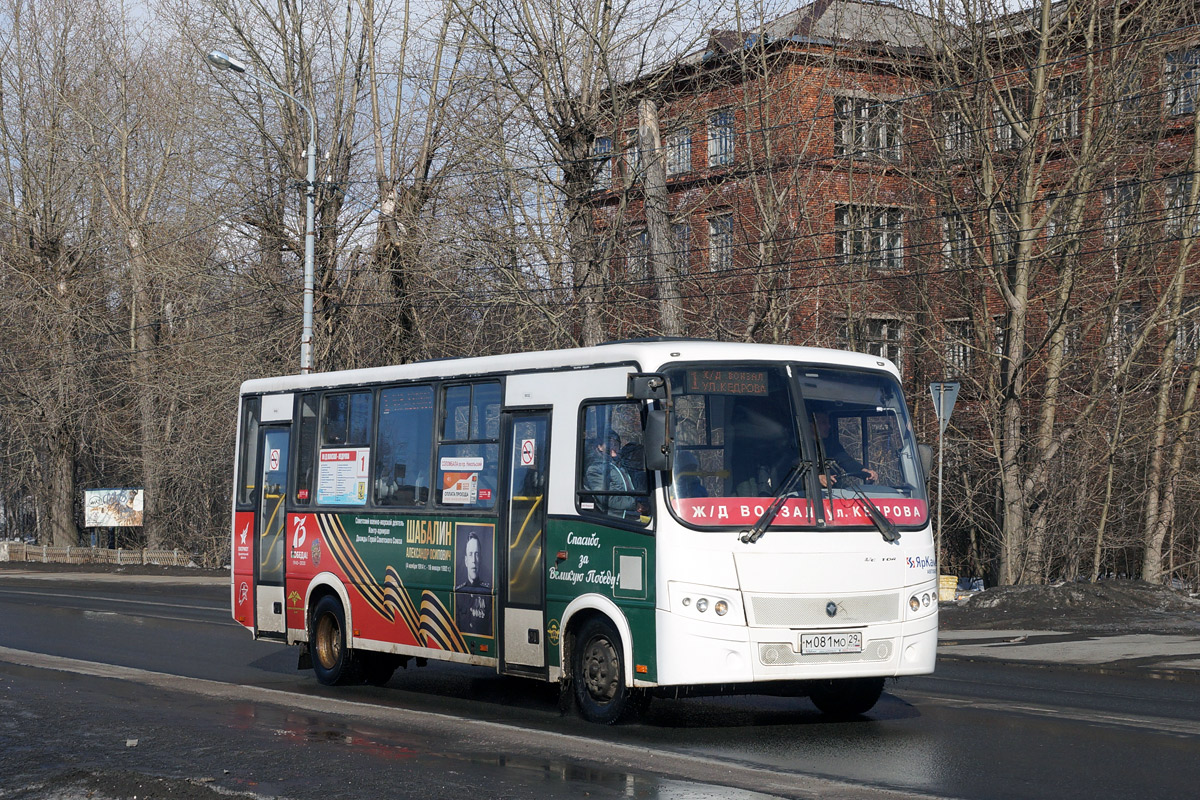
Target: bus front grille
(783, 654)
(775, 611)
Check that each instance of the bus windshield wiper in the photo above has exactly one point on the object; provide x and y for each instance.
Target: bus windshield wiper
(756, 531)
(886, 528)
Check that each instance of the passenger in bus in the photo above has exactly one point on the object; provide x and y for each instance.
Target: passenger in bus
(603, 473)
(835, 452)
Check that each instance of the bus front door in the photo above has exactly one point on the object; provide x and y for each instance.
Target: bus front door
(272, 531)
(524, 591)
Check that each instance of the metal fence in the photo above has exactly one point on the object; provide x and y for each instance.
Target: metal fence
(19, 551)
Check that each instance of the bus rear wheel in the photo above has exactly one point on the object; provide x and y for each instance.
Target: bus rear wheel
(847, 697)
(333, 660)
(598, 673)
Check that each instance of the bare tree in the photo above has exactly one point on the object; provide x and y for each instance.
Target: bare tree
(570, 70)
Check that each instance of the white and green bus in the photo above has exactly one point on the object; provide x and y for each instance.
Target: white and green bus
(637, 518)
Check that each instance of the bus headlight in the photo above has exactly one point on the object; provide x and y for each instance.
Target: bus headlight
(922, 600)
(707, 603)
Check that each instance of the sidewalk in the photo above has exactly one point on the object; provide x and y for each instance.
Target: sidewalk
(1168, 656)
(205, 578)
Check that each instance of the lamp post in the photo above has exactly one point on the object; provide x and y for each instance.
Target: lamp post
(222, 61)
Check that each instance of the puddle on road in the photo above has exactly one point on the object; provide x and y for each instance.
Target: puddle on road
(547, 777)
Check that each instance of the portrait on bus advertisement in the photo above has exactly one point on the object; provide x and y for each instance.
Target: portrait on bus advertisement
(473, 579)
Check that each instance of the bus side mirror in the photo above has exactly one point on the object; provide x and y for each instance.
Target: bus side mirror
(647, 386)
(926, 459)
(657, 440)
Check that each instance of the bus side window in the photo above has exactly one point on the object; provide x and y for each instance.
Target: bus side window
(612, 478)
(405, 439)
(247, 480)
(306, 447)
(468, 457)
(347, 420)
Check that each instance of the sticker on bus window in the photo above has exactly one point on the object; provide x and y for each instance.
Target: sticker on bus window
(462, 464)
(460, 488)
(342, 477)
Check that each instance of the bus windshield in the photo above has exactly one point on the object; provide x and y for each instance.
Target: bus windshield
(739, 431)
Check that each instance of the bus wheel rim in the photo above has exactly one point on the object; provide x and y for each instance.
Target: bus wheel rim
(329, 643)
(601, 669)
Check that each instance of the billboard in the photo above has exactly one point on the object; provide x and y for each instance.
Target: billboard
(112, 508)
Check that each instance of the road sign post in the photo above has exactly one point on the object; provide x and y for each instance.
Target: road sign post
(944, 394)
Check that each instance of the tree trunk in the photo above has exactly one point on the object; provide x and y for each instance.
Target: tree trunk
(658, 225)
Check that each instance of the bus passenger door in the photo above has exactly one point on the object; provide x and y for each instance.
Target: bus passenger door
(270, 537)
(524, 591)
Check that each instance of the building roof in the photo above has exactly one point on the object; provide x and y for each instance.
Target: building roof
(833, 21)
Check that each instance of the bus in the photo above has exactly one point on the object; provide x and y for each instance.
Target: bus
(628, 520)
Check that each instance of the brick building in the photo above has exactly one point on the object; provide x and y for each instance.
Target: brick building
(1008, 204)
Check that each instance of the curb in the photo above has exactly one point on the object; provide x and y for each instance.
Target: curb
(1154, 673)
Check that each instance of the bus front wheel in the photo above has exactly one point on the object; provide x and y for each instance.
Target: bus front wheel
(332, 659)
(847, 697)
(598, 673)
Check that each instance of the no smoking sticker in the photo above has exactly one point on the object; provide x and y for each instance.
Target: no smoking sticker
(527, 446)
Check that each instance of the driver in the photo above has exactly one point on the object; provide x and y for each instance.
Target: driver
(836, 453)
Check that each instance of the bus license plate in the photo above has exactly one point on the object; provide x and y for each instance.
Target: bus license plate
(836, 642)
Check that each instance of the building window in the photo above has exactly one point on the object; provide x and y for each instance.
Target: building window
(631, 156)
(1072, 334)
(956, 240)
(866, 128)
(720, 242)
(1187, 333)
(1054, 208)
(1121, 210)
(879, 337)
(1004, 131)
(637, 258)
(601, 163)
(679, 151)
(1181, 74)
(956, 134)
(1131, 87)
(870, 236)
(681, 234)
(1005, 235)
(958, 347)
(1126, 327)
(720, 138)
(1179, 214)
(1062, 107)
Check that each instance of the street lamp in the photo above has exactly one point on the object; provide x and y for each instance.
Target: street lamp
(222, 61)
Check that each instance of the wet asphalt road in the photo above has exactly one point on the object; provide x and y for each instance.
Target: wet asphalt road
(109, 688)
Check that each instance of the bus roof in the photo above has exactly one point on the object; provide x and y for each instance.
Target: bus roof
(648, 354)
